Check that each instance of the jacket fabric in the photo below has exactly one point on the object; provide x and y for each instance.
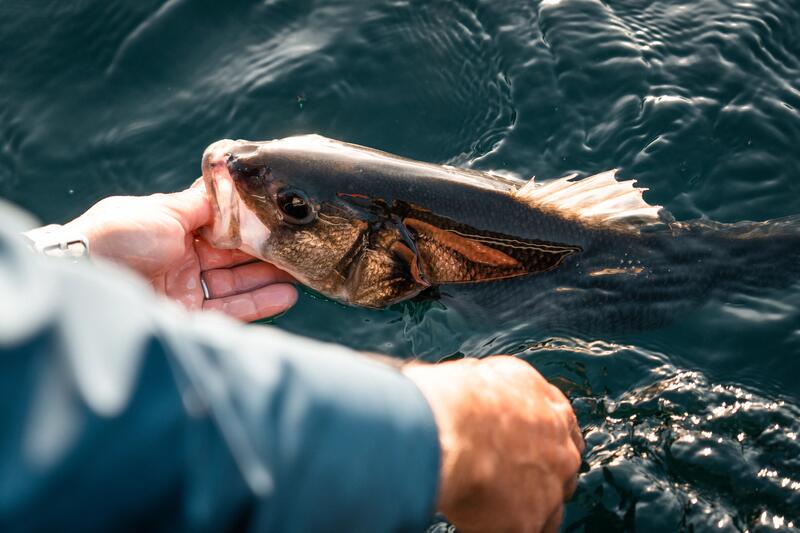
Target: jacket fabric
(120, 411)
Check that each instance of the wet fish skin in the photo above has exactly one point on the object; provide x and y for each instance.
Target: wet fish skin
(359, 216)
(385, 229)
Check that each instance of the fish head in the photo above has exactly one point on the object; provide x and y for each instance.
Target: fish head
(276, 200)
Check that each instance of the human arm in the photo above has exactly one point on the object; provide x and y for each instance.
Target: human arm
(509, 440)
(510, 444)
(118, 409)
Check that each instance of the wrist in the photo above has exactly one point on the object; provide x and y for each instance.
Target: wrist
(448, 399)
(59, 241)
(96, 234)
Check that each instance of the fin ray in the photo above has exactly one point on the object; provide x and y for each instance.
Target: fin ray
(596, 199)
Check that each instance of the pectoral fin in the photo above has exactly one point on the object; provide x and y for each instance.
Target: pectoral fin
(467, 246)
(453, 253)
(386, 271)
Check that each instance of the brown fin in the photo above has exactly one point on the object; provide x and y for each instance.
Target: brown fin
(402, 251)
(455, 253)
(386, 271)
(472, 249)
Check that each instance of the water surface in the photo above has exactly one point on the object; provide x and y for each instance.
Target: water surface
(693, 426)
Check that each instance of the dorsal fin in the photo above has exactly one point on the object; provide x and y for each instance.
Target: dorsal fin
(599, 199)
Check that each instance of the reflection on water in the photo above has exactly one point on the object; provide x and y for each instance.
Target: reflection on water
(676, 451)
(690, 426)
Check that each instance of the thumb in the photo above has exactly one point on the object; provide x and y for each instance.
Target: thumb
(191, 207)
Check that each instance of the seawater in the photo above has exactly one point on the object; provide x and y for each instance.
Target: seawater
(693, 426)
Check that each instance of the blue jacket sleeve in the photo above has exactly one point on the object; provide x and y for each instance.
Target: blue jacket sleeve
(120, 411)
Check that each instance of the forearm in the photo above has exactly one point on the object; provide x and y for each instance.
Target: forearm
(275, 424)
(194, 420)
(369, 442)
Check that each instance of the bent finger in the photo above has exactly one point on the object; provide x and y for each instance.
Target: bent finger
(222, 282)
(569, 487)
(254, 305)
(575, 433)
(554, 521)
(211, 258)
(191, 207)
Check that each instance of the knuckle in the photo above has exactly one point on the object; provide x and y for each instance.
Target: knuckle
(556, 425)
(574, 461)
(569, 488)
(556, 395)
(505, 362)
(159, 196)
(111, 201)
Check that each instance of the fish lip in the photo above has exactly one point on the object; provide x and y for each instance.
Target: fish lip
(223, 232)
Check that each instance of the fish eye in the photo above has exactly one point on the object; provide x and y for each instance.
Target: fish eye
(295, 206)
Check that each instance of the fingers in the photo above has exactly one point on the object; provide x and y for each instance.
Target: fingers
(534, 452)
(577, 440)
(241, 287)
(257, 304)
(572, 422)
(211, 258)
(577, 436)
(192, 207)
(223, 282)
(554, 520)
(569, 487)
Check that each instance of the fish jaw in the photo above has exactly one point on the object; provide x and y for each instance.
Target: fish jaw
(233, 225)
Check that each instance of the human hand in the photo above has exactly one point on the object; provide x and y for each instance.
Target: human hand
(154, 235)
(511, 446)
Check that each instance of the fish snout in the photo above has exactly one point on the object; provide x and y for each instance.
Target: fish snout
(217, 153)
(248, 168)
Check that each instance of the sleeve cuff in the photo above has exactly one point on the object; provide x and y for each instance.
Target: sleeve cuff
(326, 439)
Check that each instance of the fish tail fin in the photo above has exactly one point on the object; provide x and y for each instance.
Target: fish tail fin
(762, 254)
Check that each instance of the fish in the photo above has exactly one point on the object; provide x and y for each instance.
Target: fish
(372, 229)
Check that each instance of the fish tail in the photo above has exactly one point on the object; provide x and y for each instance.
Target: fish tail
(761, 254)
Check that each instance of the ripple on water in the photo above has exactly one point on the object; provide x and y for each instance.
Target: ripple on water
(671, 449)
(290, 70)
(594, 52)
(11, 137)
(730, 59)
(696, 99)
(596, 62)
(450, 98)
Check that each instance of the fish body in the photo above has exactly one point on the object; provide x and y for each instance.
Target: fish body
(372, 229)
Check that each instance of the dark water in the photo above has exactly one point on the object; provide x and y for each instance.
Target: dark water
(690, 427)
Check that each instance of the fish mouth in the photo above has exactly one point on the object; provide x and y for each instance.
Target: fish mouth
(223, 232)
